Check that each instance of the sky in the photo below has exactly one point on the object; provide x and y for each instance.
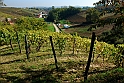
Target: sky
(48, 3)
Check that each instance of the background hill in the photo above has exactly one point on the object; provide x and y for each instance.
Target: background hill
(78, 18)
(17, 12)
(81, 27)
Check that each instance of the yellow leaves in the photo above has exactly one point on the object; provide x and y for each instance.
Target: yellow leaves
(103, 48)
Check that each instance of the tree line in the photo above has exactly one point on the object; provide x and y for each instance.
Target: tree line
(62, 13)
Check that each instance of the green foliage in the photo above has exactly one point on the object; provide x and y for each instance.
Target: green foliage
(28, 23)
(64, 22)
(61, 44)
(115, 36)
(51, 27)
(92, 15)
(21, 25)
(62, 13)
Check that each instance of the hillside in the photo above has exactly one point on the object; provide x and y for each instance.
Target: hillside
(17, 12)
(78, 18)
(82, 27)
(82, 30)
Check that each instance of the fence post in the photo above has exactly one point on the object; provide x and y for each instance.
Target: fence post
(10, 42)
(90, 56)
(54, 52)
(18, 41)
(26, 47)
(74, 45)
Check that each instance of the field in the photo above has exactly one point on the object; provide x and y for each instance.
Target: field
(17, 12)
(51, 27)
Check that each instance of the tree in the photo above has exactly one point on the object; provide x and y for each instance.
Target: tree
(62, 13)
(92, 15)
(116, 35)
(53, 7)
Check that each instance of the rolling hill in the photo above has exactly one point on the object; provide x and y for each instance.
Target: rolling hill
(82, 26)
(78, 18)
(17, 12)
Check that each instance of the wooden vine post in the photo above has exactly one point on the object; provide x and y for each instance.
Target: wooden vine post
(53, 52)
(90, 56)
(11, 44)
(10, 41)
(18, 41)
(74, 40)
(26, 47)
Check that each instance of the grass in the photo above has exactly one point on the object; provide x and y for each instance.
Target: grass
(79, 30)
(51, 27)
(8, 12)
(112, 76)
(64, 22)
(40, 67)
(82, 30)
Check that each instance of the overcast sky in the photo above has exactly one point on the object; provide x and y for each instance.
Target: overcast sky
(49, 3)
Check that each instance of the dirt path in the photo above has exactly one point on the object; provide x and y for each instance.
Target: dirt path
(56, 28)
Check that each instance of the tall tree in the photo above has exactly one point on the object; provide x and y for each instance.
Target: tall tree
(53, 7)
(116, 35)
(92, 15)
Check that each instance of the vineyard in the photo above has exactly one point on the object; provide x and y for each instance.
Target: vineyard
(31, 52)
(71, 53)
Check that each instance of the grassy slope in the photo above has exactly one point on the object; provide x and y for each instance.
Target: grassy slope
(18, 11)
(51, 27)
(112, 76)
(82, 30)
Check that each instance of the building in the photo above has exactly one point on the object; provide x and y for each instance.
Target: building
(1, 3)
(42, 14)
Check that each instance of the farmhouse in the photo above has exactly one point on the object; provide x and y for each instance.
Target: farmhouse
(42, 14)
(1, 4)
(11, 21)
